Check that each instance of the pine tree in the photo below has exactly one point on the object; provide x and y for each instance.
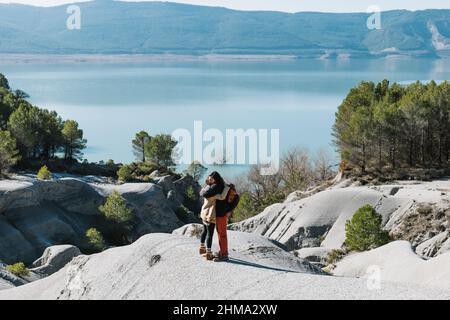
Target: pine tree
(9, 155)
(141, 139)
(364, 230)
(115, 208)
(73, 140)
(160, 150)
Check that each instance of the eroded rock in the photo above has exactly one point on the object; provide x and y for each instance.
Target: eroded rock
(164, 266)
(55, 258)
(37, 214)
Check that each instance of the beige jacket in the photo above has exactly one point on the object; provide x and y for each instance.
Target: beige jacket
(208, 213)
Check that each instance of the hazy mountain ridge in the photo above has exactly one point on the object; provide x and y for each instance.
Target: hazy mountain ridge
(157, 27)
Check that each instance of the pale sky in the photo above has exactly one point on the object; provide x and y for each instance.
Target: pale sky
(289, 5)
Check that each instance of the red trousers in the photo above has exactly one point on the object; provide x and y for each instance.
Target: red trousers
(221, 226)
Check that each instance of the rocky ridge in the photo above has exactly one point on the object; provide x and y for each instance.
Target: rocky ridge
(415, 211)
(164, 266)
(38, 214)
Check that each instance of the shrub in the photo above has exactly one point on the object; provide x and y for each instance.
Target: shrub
(18, 269)
(44, 173)
(196, 170)
(182, 213)
(110, 163)
(364, 231)
(246, 208)
(334, 256)
(95, 239)
(145, 168)
(115, 208)
(191, 194)
(124, 173)
(139, 171)
(342, 166)
(321, 238)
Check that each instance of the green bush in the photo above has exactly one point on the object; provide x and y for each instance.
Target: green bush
(196, 170)
(44, 174)
(245, 208)
(18, 269)
(321, 238)
(110, 163)
(145, 168)
(125, 173)
(364, 230)
(182, 213)
(115, 208)
(191, 194)
(335, 255)
(95, 239)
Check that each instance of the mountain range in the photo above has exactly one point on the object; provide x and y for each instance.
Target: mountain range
(113, 27)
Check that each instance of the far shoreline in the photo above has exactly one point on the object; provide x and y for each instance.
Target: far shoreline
(10, 58)
(136, 58)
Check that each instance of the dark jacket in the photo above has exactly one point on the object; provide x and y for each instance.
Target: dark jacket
(212, 190)
(223, 207)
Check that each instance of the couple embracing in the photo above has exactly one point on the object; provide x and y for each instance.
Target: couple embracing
(220, 201)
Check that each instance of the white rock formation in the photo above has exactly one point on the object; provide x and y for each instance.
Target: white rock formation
(163, 266)
(34, 215)
(9, 280)
(445, 247)
(301, 223)
(37, 214)
(316, 255)
(319, 220)
(255, 249)
(431, 247)
(55, 258)
(397, 262)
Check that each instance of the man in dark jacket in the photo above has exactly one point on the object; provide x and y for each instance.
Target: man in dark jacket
(224, 208)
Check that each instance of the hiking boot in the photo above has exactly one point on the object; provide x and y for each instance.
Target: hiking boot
(209, 256)
(202, 250)
(221, 259)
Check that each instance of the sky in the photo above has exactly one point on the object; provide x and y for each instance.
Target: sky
(290, 5)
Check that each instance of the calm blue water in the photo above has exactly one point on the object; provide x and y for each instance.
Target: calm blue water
(113, 101)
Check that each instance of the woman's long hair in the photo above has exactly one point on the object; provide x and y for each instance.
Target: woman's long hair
(218, 178)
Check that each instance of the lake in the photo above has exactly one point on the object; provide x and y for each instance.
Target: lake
(112, 101)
